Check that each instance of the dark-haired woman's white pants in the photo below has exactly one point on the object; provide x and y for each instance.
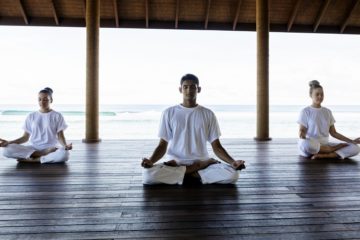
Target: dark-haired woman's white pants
(19, 151)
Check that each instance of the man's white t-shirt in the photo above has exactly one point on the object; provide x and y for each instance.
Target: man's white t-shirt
(43, 128)
(318, 122)
(187, 130)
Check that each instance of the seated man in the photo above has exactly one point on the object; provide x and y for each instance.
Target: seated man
(184, 131)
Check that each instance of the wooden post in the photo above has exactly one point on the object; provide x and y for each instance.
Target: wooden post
(262, 108)
(92, 71)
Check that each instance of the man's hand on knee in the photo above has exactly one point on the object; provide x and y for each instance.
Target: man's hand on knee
(147, 163)
(238, 164)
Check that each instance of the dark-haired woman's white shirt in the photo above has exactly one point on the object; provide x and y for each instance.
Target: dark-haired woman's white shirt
(43, 128)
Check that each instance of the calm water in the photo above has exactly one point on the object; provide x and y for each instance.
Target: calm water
(142, 121)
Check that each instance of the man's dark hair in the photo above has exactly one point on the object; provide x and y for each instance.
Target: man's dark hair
(190, 77)
(48, 91)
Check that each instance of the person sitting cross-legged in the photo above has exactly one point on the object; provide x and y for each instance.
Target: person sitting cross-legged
(43, 135)
(184, 131)
(316, 123)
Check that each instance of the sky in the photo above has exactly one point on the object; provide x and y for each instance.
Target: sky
(143, 66)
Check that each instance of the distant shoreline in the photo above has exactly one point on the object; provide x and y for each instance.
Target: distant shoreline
(142, 121)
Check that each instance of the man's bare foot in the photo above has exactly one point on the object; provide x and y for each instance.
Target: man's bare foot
(201, 164)
(171, 163)
(205, 163)
(29, 160)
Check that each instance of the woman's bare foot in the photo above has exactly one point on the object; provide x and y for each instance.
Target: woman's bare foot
(49, 150)
(331, 149)
(44, 152)
(324, 155)
(339, 146)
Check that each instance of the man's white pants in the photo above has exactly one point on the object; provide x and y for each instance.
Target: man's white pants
(309, 147)
(18, 151)
(215, 173)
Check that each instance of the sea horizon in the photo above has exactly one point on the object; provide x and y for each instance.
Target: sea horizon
(141, 121)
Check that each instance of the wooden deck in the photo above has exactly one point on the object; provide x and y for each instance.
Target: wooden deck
(99, 195)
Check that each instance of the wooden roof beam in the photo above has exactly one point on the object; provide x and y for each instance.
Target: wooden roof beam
(293, 15)
(321, 14)
(177, 14)
(84, 5)
(23, 13)
(207, 14)
(53, 9)
(237, 14)
(147, 13)
(116, 15)
(346, 21)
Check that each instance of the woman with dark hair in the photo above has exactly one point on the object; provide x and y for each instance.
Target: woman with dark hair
(316, 124)
(44, 132)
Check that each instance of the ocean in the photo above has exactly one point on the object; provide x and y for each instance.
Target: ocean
(142, 121)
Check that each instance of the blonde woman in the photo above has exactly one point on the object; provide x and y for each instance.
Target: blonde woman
(316, 123)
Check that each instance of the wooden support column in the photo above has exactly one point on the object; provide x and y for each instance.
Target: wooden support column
(262, 108)
(92, 71)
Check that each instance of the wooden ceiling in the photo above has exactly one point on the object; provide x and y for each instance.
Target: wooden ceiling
(319, 16)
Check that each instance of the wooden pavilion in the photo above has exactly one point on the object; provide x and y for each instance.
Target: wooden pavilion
(313, 16)
(99, 195)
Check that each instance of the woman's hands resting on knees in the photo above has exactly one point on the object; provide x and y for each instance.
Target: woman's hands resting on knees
(357, 140)
(68, 146)
(3, 143)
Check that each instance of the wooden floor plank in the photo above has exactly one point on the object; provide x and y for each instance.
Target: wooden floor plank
(98, 194)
